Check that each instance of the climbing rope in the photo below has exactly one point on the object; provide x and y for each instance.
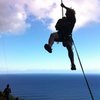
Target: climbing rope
(83, 72)
(62, 9)
(85, 78)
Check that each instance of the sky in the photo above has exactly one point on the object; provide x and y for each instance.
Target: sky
(25, 26)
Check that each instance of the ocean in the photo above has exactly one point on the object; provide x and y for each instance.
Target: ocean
(51, 86)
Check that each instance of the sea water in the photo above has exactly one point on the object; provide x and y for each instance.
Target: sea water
(52, 86)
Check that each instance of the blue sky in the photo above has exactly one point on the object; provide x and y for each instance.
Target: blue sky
(26, 26)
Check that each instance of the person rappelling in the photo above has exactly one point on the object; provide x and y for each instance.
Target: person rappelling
(64, 27)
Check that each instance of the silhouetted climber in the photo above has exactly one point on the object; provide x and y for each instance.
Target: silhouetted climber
(64, 29)
(7, 92)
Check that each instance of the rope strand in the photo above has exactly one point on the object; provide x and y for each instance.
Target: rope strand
(83, 72)
(62, 9)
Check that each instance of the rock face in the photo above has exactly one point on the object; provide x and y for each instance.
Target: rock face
(2, 97)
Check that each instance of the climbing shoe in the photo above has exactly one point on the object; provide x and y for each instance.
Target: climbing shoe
(48, 48)
(73, 67)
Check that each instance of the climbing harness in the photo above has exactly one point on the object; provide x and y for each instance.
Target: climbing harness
(85, 78)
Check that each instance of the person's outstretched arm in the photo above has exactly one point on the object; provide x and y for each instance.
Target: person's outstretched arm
(70, 10)
(62, 5)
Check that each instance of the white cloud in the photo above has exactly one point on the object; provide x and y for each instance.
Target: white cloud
(86, 11)
(13, 14)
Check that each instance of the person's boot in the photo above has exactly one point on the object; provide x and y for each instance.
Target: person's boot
(73, 67)
(48, 48)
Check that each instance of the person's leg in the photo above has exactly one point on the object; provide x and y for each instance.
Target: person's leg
(53, 37)
(70, 54)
